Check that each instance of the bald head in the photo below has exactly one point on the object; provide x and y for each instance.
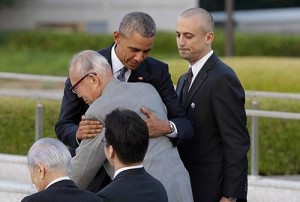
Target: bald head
(204, 15)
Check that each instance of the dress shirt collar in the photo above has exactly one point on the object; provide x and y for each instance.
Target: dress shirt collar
(117, 65)
(57, 180)
(199, 64)
(126, 168)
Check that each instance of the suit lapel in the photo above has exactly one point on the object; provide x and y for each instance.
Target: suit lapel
(179, 86)
(200, 78)
(140, 74)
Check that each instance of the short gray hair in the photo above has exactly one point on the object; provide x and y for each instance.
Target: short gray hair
(139, 22)
(89, 61)
(50, 152)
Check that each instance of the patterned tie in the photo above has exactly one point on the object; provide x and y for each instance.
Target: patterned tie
(187, 83)
(121, 75)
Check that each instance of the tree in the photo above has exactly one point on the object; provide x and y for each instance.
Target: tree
(248, 4)
(5, 3)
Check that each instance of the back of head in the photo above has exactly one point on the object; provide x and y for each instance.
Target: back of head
(128, 134)
(203, 14)
(90, 61)
(50, 152)
(139, 22)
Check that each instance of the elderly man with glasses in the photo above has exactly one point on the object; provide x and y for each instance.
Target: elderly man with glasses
(92, 80)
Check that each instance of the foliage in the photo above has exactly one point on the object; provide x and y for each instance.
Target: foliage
(248, 4)
(6, 3)
(245, 44)
(17, 131)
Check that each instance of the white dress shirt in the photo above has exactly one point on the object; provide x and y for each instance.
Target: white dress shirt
(117, 65)
(57, 180)
(126, 168)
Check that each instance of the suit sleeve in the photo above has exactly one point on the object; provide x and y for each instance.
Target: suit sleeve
(176, 113)
(72, 108)
(88, 160)
(228, 101)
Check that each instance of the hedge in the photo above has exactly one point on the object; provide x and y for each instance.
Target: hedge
(245, 44)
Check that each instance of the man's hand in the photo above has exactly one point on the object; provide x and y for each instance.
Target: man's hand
(88, 128)
(156, 126)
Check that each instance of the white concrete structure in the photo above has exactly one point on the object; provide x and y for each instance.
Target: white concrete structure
(15, 184)
(91, 15)
(284, 20)
(15, 181)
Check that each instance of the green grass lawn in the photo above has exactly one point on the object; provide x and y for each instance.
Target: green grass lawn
(279, 151)
(255, 73)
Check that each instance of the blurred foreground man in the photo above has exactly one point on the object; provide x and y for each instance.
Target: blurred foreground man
(125, 148)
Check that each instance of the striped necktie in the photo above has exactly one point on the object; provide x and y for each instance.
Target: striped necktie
(187, 83)
(121, 75)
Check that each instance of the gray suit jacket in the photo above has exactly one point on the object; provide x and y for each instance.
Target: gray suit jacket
(162, 159)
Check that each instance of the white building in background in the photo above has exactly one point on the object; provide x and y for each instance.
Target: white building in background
(283, 20)
(99, 16)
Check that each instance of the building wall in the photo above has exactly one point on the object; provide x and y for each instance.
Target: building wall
(284, 20)
(90, 15)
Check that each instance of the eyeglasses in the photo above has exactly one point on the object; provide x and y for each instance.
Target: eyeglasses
(74, 87)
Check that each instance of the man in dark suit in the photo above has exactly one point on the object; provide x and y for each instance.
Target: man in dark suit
(48, 161)
(214, 99)
(133, 42)
(125, 148)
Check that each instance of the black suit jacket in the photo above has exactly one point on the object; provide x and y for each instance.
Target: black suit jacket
(134, 185)
(65, 191)
(150, 71)
(216, 158)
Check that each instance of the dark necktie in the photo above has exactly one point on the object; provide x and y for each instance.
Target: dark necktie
(187, 83)
(121, 76)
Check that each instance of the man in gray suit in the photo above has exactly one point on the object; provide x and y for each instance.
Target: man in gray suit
(92, 80)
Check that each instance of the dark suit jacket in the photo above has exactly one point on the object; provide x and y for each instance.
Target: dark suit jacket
(151, 71)
(134, 185)
(216, 158)
(65, 191)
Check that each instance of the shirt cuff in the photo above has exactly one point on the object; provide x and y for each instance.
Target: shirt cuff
(174, 133)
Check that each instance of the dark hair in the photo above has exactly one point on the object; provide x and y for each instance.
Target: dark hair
(128, 134)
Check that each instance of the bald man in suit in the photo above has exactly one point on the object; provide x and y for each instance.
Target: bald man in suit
(92, 80)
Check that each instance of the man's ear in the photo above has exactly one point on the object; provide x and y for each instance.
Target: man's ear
(117, 36)
(41, 170)
(111, 152)
(209, 37)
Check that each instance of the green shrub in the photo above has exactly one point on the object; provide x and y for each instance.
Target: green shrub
(245, 44)
(17, 127)
(267, 45)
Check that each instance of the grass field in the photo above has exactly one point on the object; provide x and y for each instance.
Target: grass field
(279, 139)
(255, 73)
